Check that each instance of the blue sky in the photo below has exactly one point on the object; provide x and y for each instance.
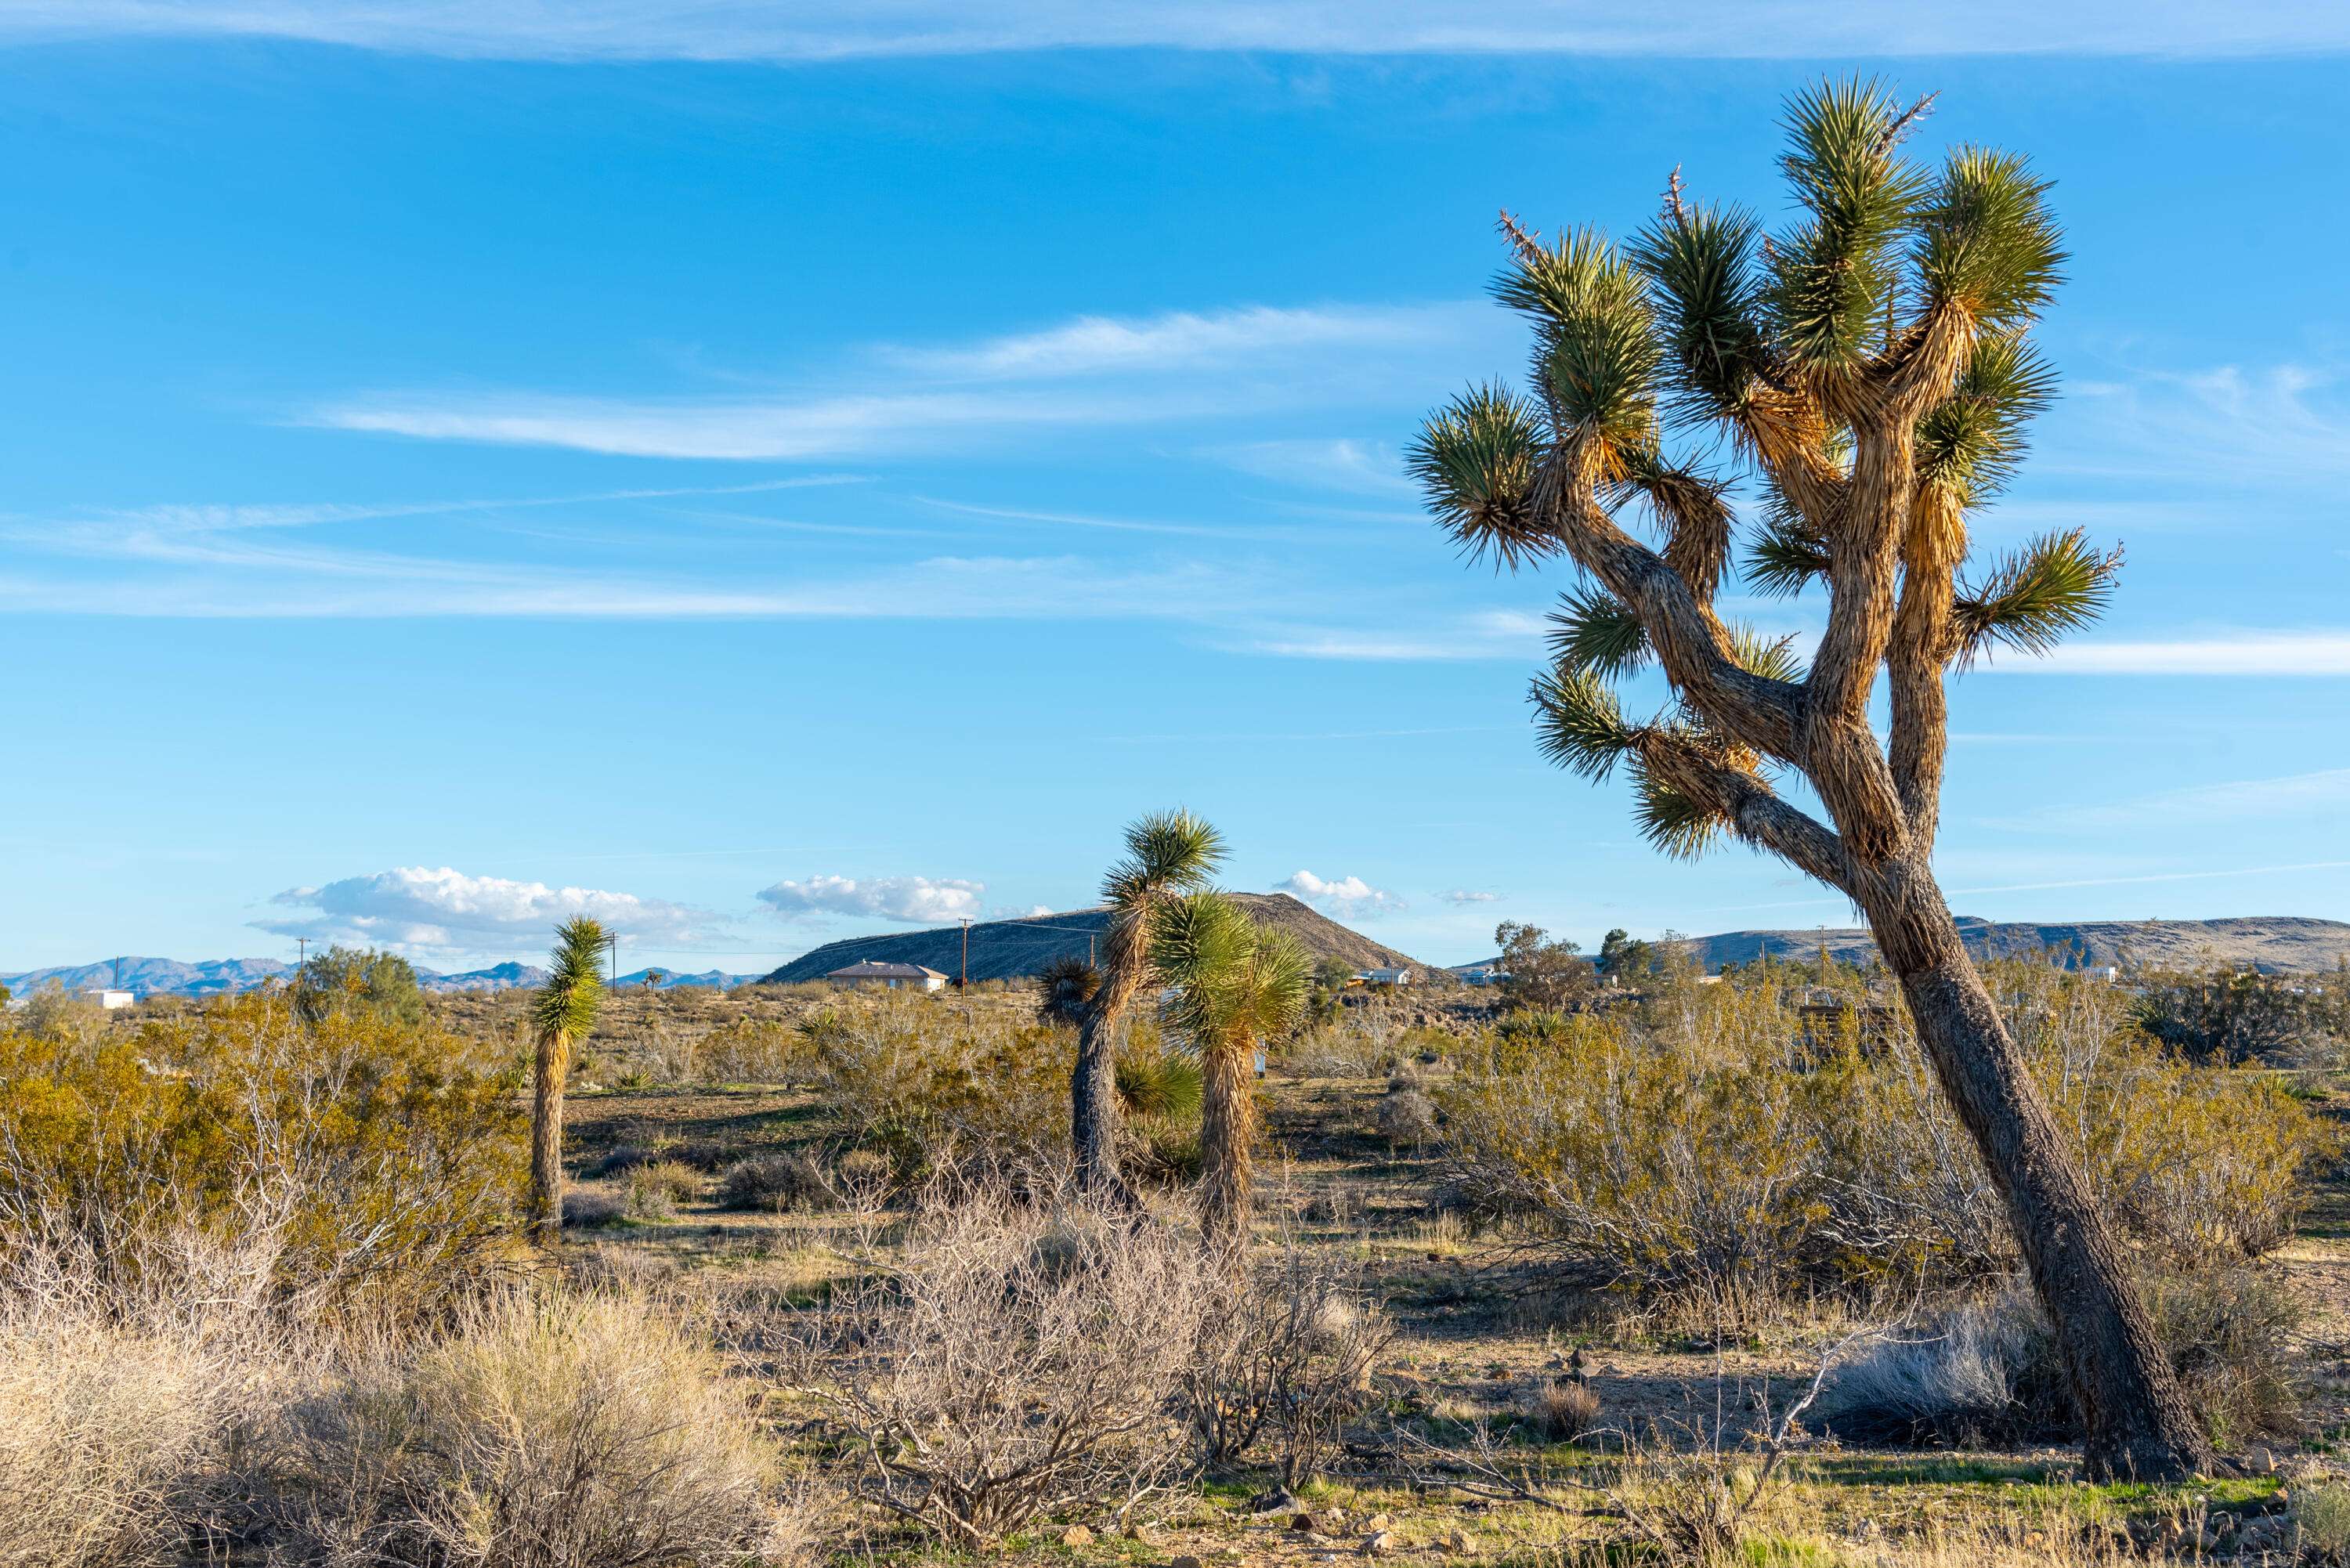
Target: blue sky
(765, 476)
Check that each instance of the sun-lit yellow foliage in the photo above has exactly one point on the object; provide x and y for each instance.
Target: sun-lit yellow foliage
(1709, 1149)
(373, 1155)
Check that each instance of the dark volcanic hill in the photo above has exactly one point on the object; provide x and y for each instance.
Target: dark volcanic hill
(1011, 950)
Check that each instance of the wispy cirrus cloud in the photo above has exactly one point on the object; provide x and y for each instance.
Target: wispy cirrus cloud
(905, 900)
(422, 910)
(2325, 791)
(1090, 372)
(821, 30)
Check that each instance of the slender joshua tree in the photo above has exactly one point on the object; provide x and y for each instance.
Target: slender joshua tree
(1868, 370)
(565, 1011)
(1168, 852)
(1236, 983)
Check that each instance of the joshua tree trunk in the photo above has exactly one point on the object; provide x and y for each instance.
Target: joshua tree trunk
(2138, 1421)
(1093, 1087)
(1227, 1131)
(550, 1066)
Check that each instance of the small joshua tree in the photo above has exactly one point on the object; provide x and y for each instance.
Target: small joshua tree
(1236, 983)
(1870, 369)
(1168, 854)
(564, 1011)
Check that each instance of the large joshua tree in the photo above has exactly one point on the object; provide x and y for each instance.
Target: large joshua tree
(1168, 854)
(1868, 371)
(1235, 982)
(565, 1011)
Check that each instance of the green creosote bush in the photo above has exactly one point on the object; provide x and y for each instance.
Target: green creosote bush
(1711, 1155)
(382, 1159)
(657, 1187)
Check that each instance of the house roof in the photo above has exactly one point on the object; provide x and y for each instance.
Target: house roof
(873, 969)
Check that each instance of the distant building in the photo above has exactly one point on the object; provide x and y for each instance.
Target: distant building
(1388, 976)
(1483, 974)
(894, 976)
(109, 999)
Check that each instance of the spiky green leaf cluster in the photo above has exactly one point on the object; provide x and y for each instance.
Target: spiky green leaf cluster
(575, 983)
(1670, 821)
(1166, 852)
(2057, 583)
(1579, 723)
(1987, 242)
(1971, 442)
(1475, 461)
(1831, 281)
(1593, 630)
(1233, 979)
(1595, 354)
(1699, 261)
(1782, 555)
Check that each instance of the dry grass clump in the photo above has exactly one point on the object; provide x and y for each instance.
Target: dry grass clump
(656, 1188)
(115, 1414)
(1988, 1372)
(776, 1182)
(537, 1432)
(1560, 1410)
(1011, 1360)
(1285, 1352)
(1407, 1118)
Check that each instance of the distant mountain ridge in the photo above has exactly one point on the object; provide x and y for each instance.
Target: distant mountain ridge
(2273, 944)
(1012, 950)
(145, 976)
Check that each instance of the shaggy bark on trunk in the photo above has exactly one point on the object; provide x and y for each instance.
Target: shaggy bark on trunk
(1227, 1135)
(1871, 370)
(550, 1064)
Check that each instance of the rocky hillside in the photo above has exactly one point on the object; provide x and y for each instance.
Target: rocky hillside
(2274, 944)
(1007, 949)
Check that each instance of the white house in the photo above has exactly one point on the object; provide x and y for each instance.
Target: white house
(107, 999)
(1386, 976)
(894, 976)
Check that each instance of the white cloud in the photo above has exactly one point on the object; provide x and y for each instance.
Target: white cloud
(1464, 895)
(911, 900)
(817, 30)
(1348, 896)
(417, 910)
(2322, 652)
(1185, 367)
(1487, 634)
(1183, 339)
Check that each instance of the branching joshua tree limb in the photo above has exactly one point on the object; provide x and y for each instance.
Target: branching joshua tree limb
(1236, 983)
(564, 1011)
(1168, 854)
(1869, 372)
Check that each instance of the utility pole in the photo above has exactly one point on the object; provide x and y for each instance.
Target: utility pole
(963, 981)
(612, 956)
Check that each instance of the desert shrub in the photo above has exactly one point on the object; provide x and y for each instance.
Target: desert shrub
(118, 1410)
(1161, 1156)
(1285, 1351)
(378, 1157)
(1714, 1157)
(1015, 1359)
(537, 1433)
(751, 1050)
(657, 1186)
(591, 1210)
(913, 1082)
(1559, 1408)
(1989, 1371)
(1406, 1119)
(775, 1182)
(2245, 1017)
(620, 1160)
(2323, 1513)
